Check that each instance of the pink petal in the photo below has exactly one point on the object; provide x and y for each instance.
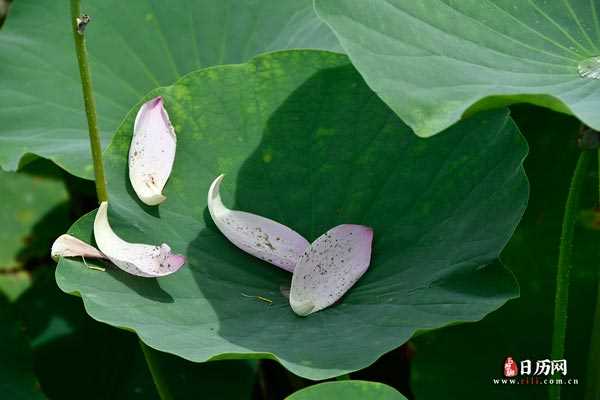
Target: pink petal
(135, 258)
(152, 152)
(262, 237)
(70, 246)
(330, 267)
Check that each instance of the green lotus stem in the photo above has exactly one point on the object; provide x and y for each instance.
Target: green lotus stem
(598, 157)
(345, 377)
(563, 271)
(96, 147)
(89, 101)
(153, 365)
(592, 390)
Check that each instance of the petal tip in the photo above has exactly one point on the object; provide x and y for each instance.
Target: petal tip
(153, 199)
(157, 101)
(55, 250)
(214, 195)
(69, 246)
(173, 261)
(177, 261)
(216, 184)
(367, 231)
(302, 308)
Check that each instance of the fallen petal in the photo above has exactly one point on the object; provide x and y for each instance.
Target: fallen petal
(329, 267)
(69, 246)
(259, 236)
(136, 258)
(152, 152)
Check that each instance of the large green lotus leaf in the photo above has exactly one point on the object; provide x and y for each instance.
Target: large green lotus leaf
(17, 379)
(348, 390)
(523, 328)
(432, 61)
(134, 46)
(303, 140)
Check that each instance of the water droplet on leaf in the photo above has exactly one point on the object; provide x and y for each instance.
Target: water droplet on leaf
(589, 68)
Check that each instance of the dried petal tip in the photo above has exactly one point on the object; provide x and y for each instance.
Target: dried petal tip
(70, 246)
(330, 267)
(136, 258)
(262, 237)
(152, 152)
(303, 308)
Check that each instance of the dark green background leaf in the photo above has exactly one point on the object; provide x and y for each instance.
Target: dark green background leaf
(303, 140)
(14, 283)
(134, 46)
(434, 60)
(33, 212)
(460, 362)
(348, 390)
(4, 6)
(27, 202)
(17, 380)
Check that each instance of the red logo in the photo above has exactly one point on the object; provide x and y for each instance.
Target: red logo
(510, 367)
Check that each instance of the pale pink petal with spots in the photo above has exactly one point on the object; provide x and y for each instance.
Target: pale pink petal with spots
(262, 237)
(330, 267)
(135, 258)
(152, 152)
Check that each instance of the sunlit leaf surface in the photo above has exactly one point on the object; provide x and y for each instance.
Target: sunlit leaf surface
(433, 61)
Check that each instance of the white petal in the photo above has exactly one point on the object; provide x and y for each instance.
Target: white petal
(136, 258)
(70, 246)
(329, 267)
(152, 152)
(259, 236)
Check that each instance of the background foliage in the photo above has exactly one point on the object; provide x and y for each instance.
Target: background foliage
(432, 62)
(520, 329)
